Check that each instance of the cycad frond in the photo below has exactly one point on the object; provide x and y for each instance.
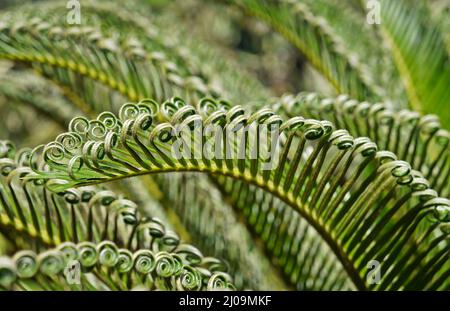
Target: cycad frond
(364, 203)
(419, 140)
(65, 55)
(105, 266)
(33, 216)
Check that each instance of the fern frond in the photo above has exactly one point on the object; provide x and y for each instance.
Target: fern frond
(419, 140)
(33, 216)
(65, 54)
(364, 204)
(106, 266)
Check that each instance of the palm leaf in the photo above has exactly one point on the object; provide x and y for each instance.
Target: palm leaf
(32, 216)
(419, 140)
(106, 266)
(364, 204)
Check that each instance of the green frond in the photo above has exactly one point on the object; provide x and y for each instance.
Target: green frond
(419, 51)
(419, 140)
(371, 50)
(33, 216)
(363, 203)
(197, 70)
(106, 266)
(303, 258)
(300, 192)
(67, 54)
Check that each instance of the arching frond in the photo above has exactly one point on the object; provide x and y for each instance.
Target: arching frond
(420, 54)
(105, 266)
(33, 216)
(318, 42)
(65, 55)
(419, 140)
(369, 47)
(364, 204)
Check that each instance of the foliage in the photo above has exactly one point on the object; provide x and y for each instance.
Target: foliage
(362, 177)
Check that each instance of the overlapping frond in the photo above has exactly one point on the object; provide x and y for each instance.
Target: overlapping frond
(68, 55)
(33, 216)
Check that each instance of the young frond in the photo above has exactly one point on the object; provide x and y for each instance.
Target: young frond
(363, 203)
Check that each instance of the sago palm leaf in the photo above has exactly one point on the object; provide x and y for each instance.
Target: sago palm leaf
(365, 204)
(419, 140)
(105, 266)
(32, 216)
